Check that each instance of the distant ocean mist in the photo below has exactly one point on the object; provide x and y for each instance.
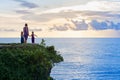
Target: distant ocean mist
(84, 58)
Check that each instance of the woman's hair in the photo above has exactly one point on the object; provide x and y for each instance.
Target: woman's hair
(26, 24)
(21, 32)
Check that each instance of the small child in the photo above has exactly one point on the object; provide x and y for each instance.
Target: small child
(22, 37)
(33, 37)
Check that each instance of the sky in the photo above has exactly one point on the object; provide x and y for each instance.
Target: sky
(61, 18)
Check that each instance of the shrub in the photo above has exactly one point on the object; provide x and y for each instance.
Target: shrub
(27, 61)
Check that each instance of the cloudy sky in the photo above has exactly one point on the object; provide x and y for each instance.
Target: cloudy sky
(61, 18)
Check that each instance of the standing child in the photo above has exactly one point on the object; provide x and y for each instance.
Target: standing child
(33, 37)
(22, 37)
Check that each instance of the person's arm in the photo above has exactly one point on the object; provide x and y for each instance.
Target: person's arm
(35, 35)
(23, 29)
(28, 30)
(30, 35)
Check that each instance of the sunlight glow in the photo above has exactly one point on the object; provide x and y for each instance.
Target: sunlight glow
(62, 20)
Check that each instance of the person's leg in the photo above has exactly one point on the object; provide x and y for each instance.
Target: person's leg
(25, 41)
(22, 39)
(33, 40)
(25, 38)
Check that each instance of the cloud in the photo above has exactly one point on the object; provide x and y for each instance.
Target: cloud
(92, 10)
(100, 15)
(92, 5)
(93, 15)
(74, 25)
(26, 4)
(80, 25)
(48, 16)
(23, 12)
(60, 28)
(98, 25)
(114, 26)
(8, 30)
(36, 29)
(104, 25)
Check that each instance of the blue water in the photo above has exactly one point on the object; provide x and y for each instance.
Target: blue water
(85, 59)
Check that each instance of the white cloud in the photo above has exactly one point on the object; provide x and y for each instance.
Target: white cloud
(45, 17)
(90, 6)
(90, 9)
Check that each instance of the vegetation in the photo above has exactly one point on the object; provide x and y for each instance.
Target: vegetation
(27, 61)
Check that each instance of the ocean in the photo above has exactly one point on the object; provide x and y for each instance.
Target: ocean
(84, 58)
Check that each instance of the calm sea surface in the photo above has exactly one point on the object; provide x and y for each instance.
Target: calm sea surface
(84, 59)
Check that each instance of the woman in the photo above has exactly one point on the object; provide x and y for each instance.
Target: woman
(26, 32)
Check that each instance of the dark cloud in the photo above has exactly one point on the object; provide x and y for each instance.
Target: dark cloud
(27, 4)
(98, 25)
(36, 29)
(80, 25)
(104, 25)
(64, 27)
(114, 26)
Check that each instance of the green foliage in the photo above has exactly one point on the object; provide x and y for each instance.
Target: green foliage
(43, 43)
(27, 61)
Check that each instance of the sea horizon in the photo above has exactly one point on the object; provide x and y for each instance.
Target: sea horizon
(17, 39)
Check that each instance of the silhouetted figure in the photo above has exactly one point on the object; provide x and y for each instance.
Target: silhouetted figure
(33, 37)
(26, 32)
(22, 37)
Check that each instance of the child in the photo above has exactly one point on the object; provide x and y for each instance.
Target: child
(33, 37)
(22, 37)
